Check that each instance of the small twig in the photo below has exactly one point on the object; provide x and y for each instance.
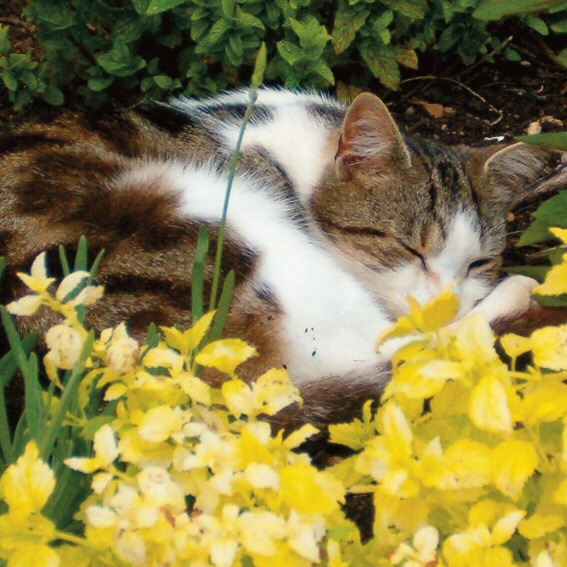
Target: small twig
(17, 23)
(463, 86)
(549, 53)
(502, 46)
(537, 257)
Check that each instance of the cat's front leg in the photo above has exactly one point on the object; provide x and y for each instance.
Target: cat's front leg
(511, 297)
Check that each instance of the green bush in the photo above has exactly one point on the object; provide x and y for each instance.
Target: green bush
(101, 48)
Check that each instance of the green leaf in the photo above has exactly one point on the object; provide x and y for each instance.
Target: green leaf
(414, 9)
(290, 52)
(552, 140)
(228, 8)
(405, 57)
(163, 81)
(259, 67)
(562, 57)
(557, 27)
(198, 274)
(536, 272)
(98, 84)
(324, 71)
(141, 6)
(10, 80)
(554, 211)
(57, 15)
(538, 231)
(381, 62)
(223, 306)
(348, 22)
(5, 44)
(496, 9)
(158, 6)
(537, 24)
(218, 30)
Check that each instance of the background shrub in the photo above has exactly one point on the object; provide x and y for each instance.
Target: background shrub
(101, 48)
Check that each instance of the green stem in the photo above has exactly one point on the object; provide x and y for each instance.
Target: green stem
(252, 95)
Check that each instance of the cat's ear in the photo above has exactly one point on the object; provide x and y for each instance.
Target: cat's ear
(514, 168)
(370, 139)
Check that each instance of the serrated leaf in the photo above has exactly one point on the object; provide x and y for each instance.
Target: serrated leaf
(406, 57)
(383, 65)
(414, 9)
(57, 15)
(158, 6)
(325, 72)
(219, 28)
(290, 52)
(347, 22)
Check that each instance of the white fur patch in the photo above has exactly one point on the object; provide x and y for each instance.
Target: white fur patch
(330, 321)
(294, 137)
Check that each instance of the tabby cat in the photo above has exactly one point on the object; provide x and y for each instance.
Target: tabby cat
(335, 218)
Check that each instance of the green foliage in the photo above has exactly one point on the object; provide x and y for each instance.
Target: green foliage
(22, 77)
(550, 214)
(99, 48)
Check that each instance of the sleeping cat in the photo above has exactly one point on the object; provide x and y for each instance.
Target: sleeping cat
(335, 217)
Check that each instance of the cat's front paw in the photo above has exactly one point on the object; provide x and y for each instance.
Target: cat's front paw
(511, 296)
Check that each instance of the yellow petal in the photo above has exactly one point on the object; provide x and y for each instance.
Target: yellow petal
(513, 462)
(225, 355)
(26, 305)
(70, 283)
(515, 345)
(549, 346)
(488, 406)
(506, 526)
(555, 282)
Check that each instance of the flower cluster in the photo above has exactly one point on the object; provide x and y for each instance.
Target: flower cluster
(181, 473)
(467, 455)
(466, 458)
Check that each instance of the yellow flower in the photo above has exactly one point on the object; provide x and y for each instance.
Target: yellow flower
(65, 344)
(488, 406)
(513, 462)
(549, 347)
(37, 280)
(106, 452)
(424, 319)
(556, 279)
(187, 341)
(27, 484)
(422, 552)
(123, 351)
(225, 355)
(491, 526)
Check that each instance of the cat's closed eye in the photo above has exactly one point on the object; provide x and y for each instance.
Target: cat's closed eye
(477, 265)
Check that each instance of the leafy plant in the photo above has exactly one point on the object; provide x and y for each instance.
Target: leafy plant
(550, 214)
(199, 47)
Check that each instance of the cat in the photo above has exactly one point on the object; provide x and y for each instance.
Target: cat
(336, 216)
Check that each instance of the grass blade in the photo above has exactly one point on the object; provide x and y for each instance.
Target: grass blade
(198, 274)
(64, 260)
(33, 400)
(81, 258)
(69, 395)
(224, 306)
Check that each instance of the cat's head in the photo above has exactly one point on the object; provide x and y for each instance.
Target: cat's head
(414, 217)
